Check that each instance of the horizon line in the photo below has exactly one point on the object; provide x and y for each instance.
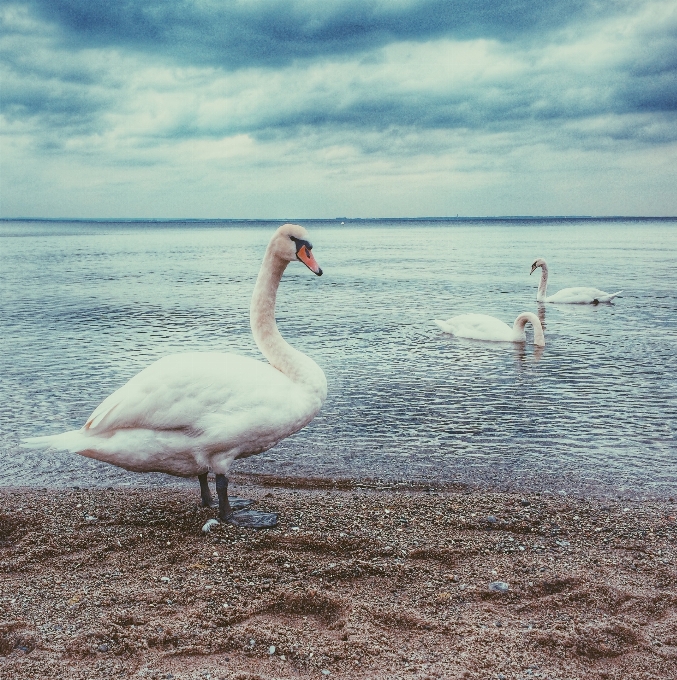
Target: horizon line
(335, 219)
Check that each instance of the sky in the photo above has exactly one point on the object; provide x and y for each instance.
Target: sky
(273, 109)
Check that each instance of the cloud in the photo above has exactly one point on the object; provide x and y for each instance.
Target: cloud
(99, 96)
(275, 32)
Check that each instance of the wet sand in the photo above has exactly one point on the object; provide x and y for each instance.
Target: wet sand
(358, 581)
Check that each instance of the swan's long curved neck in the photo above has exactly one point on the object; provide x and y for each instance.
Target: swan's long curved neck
(522, 320)
(294, 364)
(543, 285)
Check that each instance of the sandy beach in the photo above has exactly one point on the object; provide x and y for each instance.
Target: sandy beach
(359, 580)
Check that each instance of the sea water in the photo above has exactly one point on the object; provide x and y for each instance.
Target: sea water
(86, 305)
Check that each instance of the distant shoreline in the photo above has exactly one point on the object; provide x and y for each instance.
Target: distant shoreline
(334, 220)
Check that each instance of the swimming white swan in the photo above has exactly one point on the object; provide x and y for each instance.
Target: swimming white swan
(190, 413)
(483, 327)
(572, 296)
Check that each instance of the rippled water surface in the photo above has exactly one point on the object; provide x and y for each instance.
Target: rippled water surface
(87, 305)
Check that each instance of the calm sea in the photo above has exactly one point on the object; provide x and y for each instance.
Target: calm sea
(86, 305)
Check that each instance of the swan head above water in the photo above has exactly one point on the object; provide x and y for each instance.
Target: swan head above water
(538, 262)
(543, 284)
(290, 243)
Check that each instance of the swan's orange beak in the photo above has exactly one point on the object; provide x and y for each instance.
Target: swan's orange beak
(305, 254)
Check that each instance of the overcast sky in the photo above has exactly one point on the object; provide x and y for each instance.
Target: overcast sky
(326, 108)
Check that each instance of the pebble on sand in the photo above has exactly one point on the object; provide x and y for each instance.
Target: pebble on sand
(499, 586)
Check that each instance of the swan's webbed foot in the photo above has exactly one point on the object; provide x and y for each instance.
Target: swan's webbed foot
(230, 510)
(253, 519)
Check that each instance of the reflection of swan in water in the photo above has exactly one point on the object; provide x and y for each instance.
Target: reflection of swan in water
(523, 357)
(483, 327)
(190, 413)
(572, 296)
(541, 316)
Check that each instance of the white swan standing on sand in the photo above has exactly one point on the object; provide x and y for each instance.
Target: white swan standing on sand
(572, 296)
(187, 414)
(483, 327)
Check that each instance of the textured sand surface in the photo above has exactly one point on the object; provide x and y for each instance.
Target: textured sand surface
(356, 582)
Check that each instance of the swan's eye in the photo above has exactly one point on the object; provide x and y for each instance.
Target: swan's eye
(300, 243)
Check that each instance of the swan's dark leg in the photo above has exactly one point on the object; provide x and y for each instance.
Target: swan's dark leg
(232, 504)
(241, 518)
(225, 511)
(207, 499)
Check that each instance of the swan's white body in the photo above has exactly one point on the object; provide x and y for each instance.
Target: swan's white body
(483, 327)
(571, 296)
(187, 414)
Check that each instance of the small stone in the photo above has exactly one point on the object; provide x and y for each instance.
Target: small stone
(165, 579)
(90, 518)
(325, 672)
(499, 587)
(271, 649)
(525, 502)
(499, 624)
(491, 519)
(562, 543)
(102, 648)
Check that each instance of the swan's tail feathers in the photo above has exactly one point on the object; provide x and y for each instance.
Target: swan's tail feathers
(73, 441)
(443, 325)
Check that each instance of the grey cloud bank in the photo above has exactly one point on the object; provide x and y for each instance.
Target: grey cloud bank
(241, 34)
(312, 109)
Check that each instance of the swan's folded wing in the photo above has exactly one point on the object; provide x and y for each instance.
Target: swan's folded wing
(179, 391)
(479, 327)
(577, 295)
